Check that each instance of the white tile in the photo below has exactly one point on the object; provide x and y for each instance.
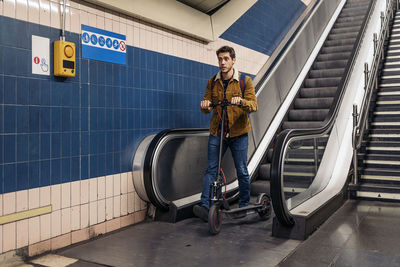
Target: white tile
(84, 191)
(115, 26)
(124, 204)
(143, 204)
(34, 198)
(34, 230)
(84, 216)
(67, 20)
(45, 196)
(115, 16)
(93, 213)
(122, 28)
(1, 238)
(45, 227)
(56, 197)
(65, 195)
(21, 10)
(75, 218)
(22, 200)
(22, 233)
(117, 206)
(100, 11)
(108, 14)
(109, 208)
(9, 203)
(117, 185)
(131, 188)
(1, 14)
(55, 16)
(124, 183)
(56, 223)
(101, 210)
(84, 17)
(92, 19)
(65, 220)
(131, 202)
(1, 209)
(137, 202)
(122, 18)
(109, 186)
(9, 236)
(100, 22)
(136, 36)
(75, 20)
(44, 12)
(93, 189)
(75, 193)
(9, 8)
(108, 24)
(101, 187)
(129, 35)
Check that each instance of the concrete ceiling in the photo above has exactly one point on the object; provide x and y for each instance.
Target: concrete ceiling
(205, 6)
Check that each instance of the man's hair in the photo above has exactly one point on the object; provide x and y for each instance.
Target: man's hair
(228, 49)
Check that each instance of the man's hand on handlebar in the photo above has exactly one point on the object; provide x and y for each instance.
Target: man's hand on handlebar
(206, 104)
(236, 100)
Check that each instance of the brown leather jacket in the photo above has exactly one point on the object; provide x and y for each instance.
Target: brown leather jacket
(239, 122)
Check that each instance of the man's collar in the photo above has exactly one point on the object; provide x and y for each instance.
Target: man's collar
(235, 75)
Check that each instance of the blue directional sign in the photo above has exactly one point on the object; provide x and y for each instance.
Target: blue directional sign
(103, 45)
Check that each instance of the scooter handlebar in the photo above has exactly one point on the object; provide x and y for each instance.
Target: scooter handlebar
(224, 103)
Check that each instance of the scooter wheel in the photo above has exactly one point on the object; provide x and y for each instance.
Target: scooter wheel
(265, 211)
(214, 219)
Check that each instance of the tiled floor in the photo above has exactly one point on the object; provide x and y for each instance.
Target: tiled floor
(361, 233)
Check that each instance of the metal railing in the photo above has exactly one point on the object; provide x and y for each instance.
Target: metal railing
(360, 120)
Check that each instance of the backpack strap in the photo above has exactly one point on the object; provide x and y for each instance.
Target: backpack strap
(242, 82)
(213, 82)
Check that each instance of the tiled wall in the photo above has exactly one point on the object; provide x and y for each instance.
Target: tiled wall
(69, 143)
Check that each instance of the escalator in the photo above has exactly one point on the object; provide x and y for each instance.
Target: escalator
(316, 97)
(299, 96)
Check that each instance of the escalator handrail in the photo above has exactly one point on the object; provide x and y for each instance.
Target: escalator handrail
(277, 194)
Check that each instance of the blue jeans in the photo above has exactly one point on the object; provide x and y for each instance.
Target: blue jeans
(238, 148)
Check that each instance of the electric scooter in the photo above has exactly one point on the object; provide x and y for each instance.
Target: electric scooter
(218, 203)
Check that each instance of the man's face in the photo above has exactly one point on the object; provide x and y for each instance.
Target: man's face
(225, 62)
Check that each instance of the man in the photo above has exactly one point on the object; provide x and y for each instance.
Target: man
(226, 85)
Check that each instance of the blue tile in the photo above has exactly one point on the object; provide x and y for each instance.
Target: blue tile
(75, 169)
(109, 166)
(124, 100)
(55, 145)
(1, 55)
(85, 143)
(136, 78)
(109, 74)
(34, 174)
(117, 140)
(23, 36)
(116, 75)
(56, 123)
(101, 117)
(75, 95)
(22, 147)
(84, 119)
(55, 171)
(22, 119)
(109, 144)
(93, 95)
(93, 166)
(66, 119)
(75, 144)
(45, 94)
(34, 147)
(101, 94)
(1, 149)
(1, 87)
(34, 92)
(10, 178)
(84, 167)
(84, 71)
(117, 162)
(56, 93)
(10, 61)
(143, 79)
(93, 119)
(44, 119)
(22, 176)
(66, 94)
(44, 146)
(116, 96)
(34, 119)
(101, 165)
(9, 148)
(101, 68)
(117, 119)
(101, 142)
(93, 137)
(1, 176)
(124, 75)
(84, 95)
(10, 90)
(22, 91)
(124, 119)
(66, 170)
(130, 56)
(130, 77)
(108, 96)
(93, 72)
(75, 117)
(124, 139)
(45, 173)
(10, 119)
(66, 144)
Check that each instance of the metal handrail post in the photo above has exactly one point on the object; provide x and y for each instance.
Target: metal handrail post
(355, 139)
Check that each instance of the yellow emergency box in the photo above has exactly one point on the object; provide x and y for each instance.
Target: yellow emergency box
(64, 59)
